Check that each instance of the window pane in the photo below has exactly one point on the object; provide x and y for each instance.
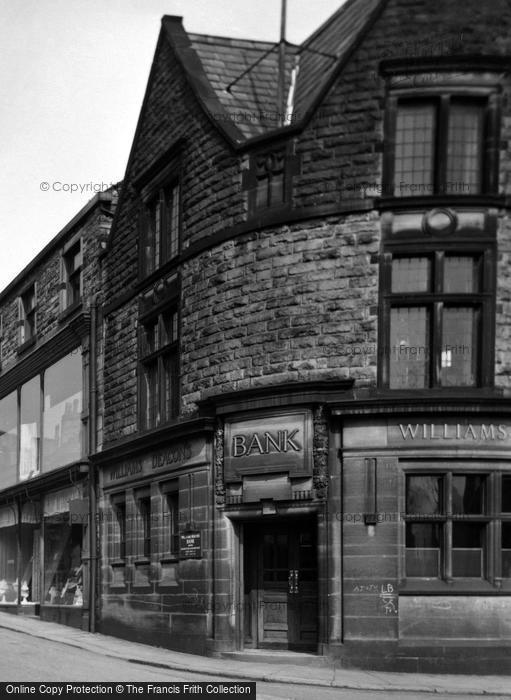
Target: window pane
(467, 549)
(262, 194)
(413, 170)
(506, 494)
(459, 346)
(423, 495)
(8, 555)
(63, 570)
(411, 275)
(277, 189)
(506, 550)
(461, 275)
(423, 549)
(172, 221)
(30, 428)
(62, 426)
(170, 385)
(465, 148)
(409, 348)
(468, 495)
(9, 439)
(149, 396)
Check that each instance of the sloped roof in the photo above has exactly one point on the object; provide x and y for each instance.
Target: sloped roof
(321, 53)
(243, 74)
(237, 78)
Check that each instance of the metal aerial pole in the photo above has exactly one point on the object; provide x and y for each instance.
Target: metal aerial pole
(281, 104)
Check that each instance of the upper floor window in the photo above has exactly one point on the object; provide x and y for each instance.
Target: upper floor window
(268, 179)
(72, 260)
(161, 228)
(441, 134)
(159, 368)
(27, 314)
(439, 147)
(438, 311)
(41, 421)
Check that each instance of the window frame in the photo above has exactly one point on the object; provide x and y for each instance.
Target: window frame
(402, 87)
(437, 248)
(166, 247)
(27, 317)
(144, 538)
(290, 168)
(493, 517)
(168, 352)
(170, 540)
(71, 273)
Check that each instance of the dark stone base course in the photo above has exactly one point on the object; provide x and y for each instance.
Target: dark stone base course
(69, 616)
(476, 659)
(186, 639)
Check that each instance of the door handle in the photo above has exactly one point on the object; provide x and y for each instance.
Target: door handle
(292, 580)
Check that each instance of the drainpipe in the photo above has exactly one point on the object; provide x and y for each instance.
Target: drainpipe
(93, 391)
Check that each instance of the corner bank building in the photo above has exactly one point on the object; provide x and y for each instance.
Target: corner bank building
(307, 426)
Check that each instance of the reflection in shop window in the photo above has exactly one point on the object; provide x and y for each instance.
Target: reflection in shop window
(30, 427)
(23, 561)
(9, 438)
(62, 412)
(63, 569)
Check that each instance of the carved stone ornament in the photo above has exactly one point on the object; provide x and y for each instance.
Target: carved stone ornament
(320, 452)
(219, 463)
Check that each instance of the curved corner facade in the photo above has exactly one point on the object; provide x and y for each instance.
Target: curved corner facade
(307, 429)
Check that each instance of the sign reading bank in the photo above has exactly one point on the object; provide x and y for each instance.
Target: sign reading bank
(269, 442)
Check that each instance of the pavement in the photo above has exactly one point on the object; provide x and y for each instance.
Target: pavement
(255, 670)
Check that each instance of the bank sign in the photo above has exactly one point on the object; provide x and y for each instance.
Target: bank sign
(270, 442)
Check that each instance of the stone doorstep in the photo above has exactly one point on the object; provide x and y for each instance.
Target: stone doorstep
(270, 656)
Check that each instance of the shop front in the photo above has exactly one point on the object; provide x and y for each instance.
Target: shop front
(44, 563)
(426, 525)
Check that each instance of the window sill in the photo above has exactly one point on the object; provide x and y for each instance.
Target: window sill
(169, 559)
(27, 345)
(70, 311)
(142, 561)
(458, 587)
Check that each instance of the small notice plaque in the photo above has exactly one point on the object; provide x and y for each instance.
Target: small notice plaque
(190, 546)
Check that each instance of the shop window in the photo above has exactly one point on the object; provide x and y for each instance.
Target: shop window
(8, 555)
(437, 309)
(159, 368)
(30, 428)
(27, 315)
(143, 501)
(72, 263)
(170, 513)
(160, 234)
(63, 568)
(62, 414)
(452, 527)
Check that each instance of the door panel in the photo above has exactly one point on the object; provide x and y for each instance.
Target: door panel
(281, 585)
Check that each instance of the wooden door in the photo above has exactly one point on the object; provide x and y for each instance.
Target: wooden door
(281, 585)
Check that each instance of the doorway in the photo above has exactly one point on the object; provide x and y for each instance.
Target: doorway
(281, 585)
